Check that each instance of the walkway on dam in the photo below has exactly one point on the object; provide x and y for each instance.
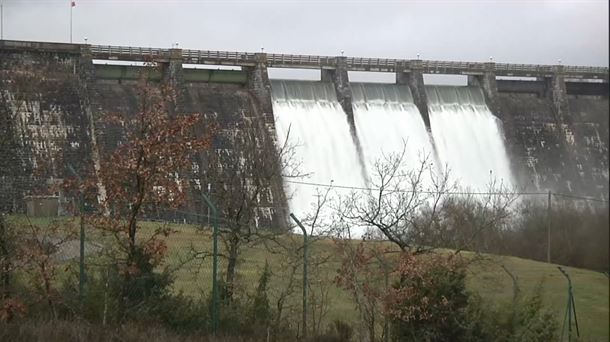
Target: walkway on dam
(249, 59)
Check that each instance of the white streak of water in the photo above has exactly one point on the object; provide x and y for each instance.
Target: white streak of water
(468, 137)
(386, 118)
(320, 131)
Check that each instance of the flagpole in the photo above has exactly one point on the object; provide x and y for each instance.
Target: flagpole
(71, 21)
(1, 19)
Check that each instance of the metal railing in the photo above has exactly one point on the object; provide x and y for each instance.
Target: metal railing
(312, 61)
(124, 51)
(225, 56)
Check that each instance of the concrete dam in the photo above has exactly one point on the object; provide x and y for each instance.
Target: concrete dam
(533, 127)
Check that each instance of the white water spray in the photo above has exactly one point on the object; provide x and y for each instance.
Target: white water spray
(320, 131)
(468, 137)
(386, 118)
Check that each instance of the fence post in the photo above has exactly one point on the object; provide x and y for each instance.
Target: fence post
(81, 263)
(548, 229)
(570, 309)
(304, 274)
(215, 299)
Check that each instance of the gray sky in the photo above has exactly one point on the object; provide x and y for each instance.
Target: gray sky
(511, 31)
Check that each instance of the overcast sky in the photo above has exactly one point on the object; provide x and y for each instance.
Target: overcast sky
(511, 31)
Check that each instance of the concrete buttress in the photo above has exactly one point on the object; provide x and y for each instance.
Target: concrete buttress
(340, 79)
(260, 87)
(414, 79)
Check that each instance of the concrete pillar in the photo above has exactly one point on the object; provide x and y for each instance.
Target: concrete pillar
(260, 87)
(556, 90)
(92, 110)
(173, 77)
(340, 79)
(413, 77)
(487, 82)
(85, 63)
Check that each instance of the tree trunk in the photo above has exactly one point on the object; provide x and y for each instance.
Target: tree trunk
(232, 264)
(5, 266)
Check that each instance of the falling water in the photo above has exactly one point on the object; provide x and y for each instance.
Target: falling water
(320, 133)
(387, 121)
(468, 137)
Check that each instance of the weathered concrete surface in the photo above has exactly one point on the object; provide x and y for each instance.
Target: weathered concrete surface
(224, 105)
(564, 151)
(52, 105)
(260, 87)
(487, 82)
(414, 78)
(43, 129)
(535, 142)
(589, 125)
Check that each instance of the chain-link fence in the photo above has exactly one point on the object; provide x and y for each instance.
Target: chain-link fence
(167, 276)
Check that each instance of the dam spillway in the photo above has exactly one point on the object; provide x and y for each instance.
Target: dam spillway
(465, 138)
(468, 138)
(387, 121)
(310, 119)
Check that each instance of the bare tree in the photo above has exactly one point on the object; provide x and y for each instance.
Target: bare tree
(420, 209)
(469, 221)
(396, 198)
(245, 171)
(290, 248)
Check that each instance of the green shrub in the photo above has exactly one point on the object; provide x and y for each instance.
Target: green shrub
(430, 303)
(260, 311)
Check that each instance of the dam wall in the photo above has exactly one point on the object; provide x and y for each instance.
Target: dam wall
(52, 106)
(552, 121)
(43, 121)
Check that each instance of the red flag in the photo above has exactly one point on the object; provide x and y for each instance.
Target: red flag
(73, 3)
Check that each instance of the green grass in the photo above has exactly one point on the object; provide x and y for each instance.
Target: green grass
(485, 277)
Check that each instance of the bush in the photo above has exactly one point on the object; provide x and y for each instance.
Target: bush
(525, 319)
(430, 303)
(243, 314)
(260, 311)
(339, 331)
(579, 237)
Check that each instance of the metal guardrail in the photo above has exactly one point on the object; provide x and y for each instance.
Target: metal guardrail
(312, 61)
(122, 51)
(202, 55)
(352, 63)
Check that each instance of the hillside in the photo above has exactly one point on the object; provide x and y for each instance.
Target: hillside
(486, 277)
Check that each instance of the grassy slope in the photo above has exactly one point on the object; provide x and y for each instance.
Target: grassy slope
(487, 278)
